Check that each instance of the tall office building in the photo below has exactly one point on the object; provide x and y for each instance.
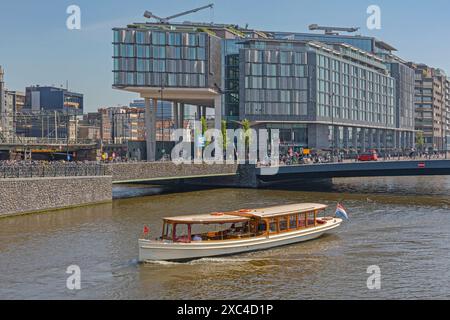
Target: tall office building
(321, 94)
(431, 106)
(53, 99)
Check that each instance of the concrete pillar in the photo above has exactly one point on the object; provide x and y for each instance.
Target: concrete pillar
(384, 139)
(363, 139)
(394, 140)
(346, 137)
(181, 116)
(150, 124)
(370, 143)
(175, 115)
(355, 138)
(378, 140)
(403, 140)
(218, 112)
(336, 137)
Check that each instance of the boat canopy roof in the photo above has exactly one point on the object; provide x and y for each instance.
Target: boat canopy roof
(207, 219)
(246, 214)
(283, 210)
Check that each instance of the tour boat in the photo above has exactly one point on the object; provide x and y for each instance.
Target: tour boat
(193, 237)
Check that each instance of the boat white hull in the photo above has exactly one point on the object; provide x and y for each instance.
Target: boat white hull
(161, 251)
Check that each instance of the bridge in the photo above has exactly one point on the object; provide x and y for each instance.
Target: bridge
(357, 169)
(254, 176)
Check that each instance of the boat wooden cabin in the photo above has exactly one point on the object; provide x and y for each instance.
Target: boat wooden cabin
(246, 223)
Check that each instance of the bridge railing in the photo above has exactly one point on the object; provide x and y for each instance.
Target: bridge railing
(52, 170)
(43, 141)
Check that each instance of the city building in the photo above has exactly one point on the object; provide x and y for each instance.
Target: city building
(431, 106)
(6, 110)
(44, 98)
(321, 91)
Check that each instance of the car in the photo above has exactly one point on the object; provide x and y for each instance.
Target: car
(368, 156)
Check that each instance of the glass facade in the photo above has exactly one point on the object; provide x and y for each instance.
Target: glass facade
(275, 82)
(159, 58)
(350, 91)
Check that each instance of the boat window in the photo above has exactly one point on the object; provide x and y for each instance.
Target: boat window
(168, 232)
(302, 220)
(262, 227)
(273, 225)
(182, 233)
(311, 220)
(293, 221)
(283, 224)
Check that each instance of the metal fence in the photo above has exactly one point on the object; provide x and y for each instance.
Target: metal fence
(60, 170)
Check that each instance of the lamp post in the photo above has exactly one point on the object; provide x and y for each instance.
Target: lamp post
(331, 95)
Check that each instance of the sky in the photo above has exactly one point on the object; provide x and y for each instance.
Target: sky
(36, 48)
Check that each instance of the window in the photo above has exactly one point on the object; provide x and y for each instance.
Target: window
(293, 222)
(273, 226)
(174, 39)
(192, 40)
(159, 38)
(311, 220)
(140, 37)
(302, 220)
(283, 224)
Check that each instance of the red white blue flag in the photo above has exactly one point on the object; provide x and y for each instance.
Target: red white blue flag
(341, 212)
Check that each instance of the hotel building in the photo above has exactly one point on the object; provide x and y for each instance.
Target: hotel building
(344, 93)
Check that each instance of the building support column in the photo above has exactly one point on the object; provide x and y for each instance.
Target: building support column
(394, 140)
(175, 115)
(363, 139)
(404, 140)
(370, 142)
(355, 138)
(346, 138)
(378, 140)
(181, 116)
(218, 112)
(384, 139)
(150, 125)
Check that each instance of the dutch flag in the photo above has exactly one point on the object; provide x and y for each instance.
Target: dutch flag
(341, 212)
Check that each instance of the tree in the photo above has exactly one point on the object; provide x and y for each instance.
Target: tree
(246, 126)
(204, 129)
(420, 141)
(224, 134)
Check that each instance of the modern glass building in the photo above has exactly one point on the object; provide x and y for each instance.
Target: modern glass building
(321, 91)
(39, 98)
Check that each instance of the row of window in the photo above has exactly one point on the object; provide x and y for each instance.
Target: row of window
(151, 65)
(276, 83)
(273, 70)
(159, 52)
(276, 109)
(275, 56)
(160, 38)
(255, 95)
(159, 79)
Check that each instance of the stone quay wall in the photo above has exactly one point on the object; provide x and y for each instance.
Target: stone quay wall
(146, 171)
(28, 195)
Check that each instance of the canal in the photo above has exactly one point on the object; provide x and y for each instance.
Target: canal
(401, 225)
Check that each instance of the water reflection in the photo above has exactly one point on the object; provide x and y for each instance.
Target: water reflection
(399, 224)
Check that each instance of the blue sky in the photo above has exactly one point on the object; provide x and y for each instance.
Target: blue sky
(37, 48)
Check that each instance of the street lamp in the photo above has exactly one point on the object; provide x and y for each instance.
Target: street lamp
(331, 95)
